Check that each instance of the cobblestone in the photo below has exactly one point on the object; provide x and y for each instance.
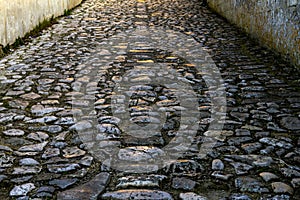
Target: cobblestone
(52, 145)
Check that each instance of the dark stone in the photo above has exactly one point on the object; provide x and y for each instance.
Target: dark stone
(89, 190)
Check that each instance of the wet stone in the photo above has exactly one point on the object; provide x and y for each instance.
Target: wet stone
(77, 58)
(221, 176)
(7, 117)
(63, 183)
(238, 140)
(291, 123)
(217, 164)
(109, 128)
(191, 196)
(90, 190)
(14, 132)
(279, 187)
(2, 177)
(239, 197)
(287, 172)
(30, 96)
(81, 126)
(61, 168)
(186, 167)
(46, 119)
(139, 153)
(34, 147)
(51, 152)
(50, 129)
(267, 150)
(241, 168)
(72, 152)
(242, 132)
(28, 161)
(49, 189)
(6, 160)
(267, 176)
(247, 184)
(18, 104)
(22, 190)
(26, 170)
(252, 159)
(137, 194)
(38, 136)
(5, 148)
(86, 161)
(251, 147)
(22, 179)
(296, 182)
(183, 183)
(141, 181)
(39, 110)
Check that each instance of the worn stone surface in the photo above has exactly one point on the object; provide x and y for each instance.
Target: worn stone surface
(67, 129)
(137, 194)
(279, 187)
(89, 190)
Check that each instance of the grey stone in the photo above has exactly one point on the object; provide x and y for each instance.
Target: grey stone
(38, 136)
(217, 164)
(14, 132)
(241, 168)
(5, 148)
(28, 161)
(183, 183)
(27, 170)
(62, 168)
(239, 197)
(221, 176)
(279, 187)
(291, 123)
(22, 179)
(51, 152)
(72, 152)
(81, 126)
(137, 194)
(247, 184)
(296, 182)
(34, 147)
(86, 161)
(90, 190)
(63, 183)
(139, 153)
(287, 172)
(191, 196)
(141, 181)
(22, 190)
(267, 176)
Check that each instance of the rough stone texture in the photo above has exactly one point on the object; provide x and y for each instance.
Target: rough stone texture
(43, 143)
(275, 23)
(89, 190)
(137, 194)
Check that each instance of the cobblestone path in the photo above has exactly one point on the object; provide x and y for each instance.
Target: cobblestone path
(102, 106)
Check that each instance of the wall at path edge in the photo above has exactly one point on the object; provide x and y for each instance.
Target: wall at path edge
(18, 17)
(275, 23)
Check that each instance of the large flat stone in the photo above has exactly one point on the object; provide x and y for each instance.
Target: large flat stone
(137, 194)
(90, 190)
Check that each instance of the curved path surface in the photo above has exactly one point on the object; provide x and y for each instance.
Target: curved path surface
(147, 99)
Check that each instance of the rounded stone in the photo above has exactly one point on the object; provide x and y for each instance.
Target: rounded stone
(279, 187)
(14, 132)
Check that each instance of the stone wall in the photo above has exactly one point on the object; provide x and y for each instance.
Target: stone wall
(18, 17)
(274, 22)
